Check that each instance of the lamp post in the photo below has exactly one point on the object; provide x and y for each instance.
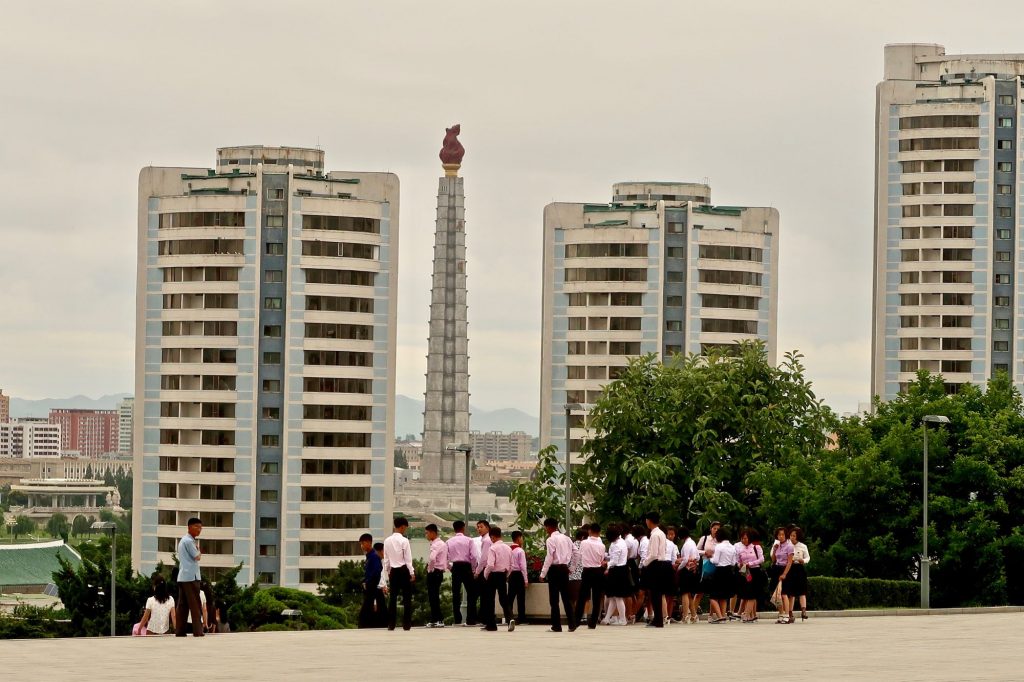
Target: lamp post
(468, 449)
(925, 560)
(569, 409)
(112, 527)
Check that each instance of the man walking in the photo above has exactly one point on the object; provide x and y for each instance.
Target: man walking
(517, 577)
(189, 599)
(556, 572)
(372, 613)
(657, 569)
(460, 557)
(592, 555)
(399, 574)
(499, 560)
(481, 546)
(437, 563)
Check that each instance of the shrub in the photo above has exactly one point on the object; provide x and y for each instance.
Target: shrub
(260, 610)
(837, 594)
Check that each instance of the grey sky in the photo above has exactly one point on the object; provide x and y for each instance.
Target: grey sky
(773, 102)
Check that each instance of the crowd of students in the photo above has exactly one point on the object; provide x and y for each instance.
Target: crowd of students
(643, 573)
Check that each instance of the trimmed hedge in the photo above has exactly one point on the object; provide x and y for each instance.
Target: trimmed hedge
(838, 594)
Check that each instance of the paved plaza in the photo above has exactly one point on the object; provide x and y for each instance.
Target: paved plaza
(948, 647)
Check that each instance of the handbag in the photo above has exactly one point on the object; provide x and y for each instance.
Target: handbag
(139, 630)
(777, 595)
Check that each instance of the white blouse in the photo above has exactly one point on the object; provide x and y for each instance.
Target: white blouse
(725, 554)
(617, 553)
(159, 615)
(800, 554)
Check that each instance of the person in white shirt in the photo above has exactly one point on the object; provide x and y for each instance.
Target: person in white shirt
(657, 569)
(643, 592)
(633, 564)
(794, 577)
(398, 574)
(159, 617)
(706, 569)
(671, 584)
(723, 584)
(617, 581)
(688, 571)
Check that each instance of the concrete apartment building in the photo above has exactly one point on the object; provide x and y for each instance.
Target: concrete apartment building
(5, 407)
(265, 358)
(659, 270)
(90, 433)
(948, 281)
(500, 446)
(30, 437)
(125, 425)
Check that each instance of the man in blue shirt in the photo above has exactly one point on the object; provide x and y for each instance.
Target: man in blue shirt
(372, 614)
(188, 581)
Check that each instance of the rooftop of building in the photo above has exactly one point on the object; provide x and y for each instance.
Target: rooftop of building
(30, 564)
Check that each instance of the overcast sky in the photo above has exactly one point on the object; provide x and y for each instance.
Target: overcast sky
(772, 102)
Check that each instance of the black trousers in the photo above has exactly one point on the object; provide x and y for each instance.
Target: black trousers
(434, 580)
(558, 587)
(592, 589)
(477, 595)
(495, 587)
(659, 575)
(373, 613)
(462, 576)
(517, 593)
(399, 582)
(189, 601)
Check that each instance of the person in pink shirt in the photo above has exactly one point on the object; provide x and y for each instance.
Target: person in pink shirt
(592, 556)
(481, 545)
(750, 559)
(781, 550)
(460, 560)
(518, 578)
(437, 563)
(495, 574)
(556, 572)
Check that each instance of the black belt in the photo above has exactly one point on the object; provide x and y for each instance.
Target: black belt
(457, 563)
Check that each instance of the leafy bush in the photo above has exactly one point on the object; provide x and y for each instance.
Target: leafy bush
(31, 622)
(837, 594)
(259, 610)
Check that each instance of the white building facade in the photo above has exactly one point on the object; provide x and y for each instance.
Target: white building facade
(265, 362)
(947, 281)
(30, 437)
(657, 270)
(125, 425)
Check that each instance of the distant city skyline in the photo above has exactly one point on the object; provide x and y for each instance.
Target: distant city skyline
(775, 105)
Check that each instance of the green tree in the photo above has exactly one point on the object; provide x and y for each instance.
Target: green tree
(79, 526)
(401, 461)
(501, 488)
(58, 525)
(686, 438)
(108, 477)
(23, 525)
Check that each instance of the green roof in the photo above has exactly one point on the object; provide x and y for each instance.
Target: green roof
(210, 174)
(718, 210)
(33, 564)
(599, 208)
(610, 223)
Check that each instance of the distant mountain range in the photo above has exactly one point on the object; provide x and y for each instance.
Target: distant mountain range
(408, 413)
(41, 408)
(409, 418)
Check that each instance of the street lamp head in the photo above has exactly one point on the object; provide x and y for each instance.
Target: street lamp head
(575, 407)
(104, 525)
(936, 418)
(459, 447)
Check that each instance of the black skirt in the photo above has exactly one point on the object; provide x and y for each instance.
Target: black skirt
(723, 583)
(634, 573)
(753, 588)
(795, 584)
(618, 583)
(689, 581)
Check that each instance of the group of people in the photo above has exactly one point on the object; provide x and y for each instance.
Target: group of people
(648, 572)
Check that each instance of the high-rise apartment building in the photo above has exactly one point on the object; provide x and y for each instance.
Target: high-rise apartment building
(948, 281)
(30, 437)
(265, 362)
(5, 407)
(658, 270)
(125, 424)
(499, 445)
(91, 433)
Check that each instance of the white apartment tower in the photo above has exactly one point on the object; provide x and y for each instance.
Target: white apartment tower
(125, 424)
(947, 285)
(265, 358)
(658, 270)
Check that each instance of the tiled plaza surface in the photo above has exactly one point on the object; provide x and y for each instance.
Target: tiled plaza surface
(946, 647)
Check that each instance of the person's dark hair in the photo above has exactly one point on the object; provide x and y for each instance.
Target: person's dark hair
(595, 528)
(516, 534)
(432, 527)
(494, 532)
(366, 537)
(487, 524)
(612, 533)
(789, 529)
(582, 533)
(799, 533)
(459, 526)
(401, 522)
(639, 532)
(779, 529)
(160, 590)
(550, 523)
(723, 534)
(653, 517)
(378, 546)
(670, 528)
(752, 535)
(194, 520)
(683, 532)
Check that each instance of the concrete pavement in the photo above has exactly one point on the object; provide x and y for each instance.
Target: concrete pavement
(947, 647)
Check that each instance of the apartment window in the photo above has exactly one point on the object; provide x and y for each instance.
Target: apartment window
(1002, 323)
(1003, 256)
(275, 193)
(577, 323)
(673, 350)
(1004, 189)
(672, 276)
(270, 440)
(675, 252)
(1001, 367)
(1003, 279)
(576, 372)
(1005, 166)
(270, 468)
(273, 276)
(268, 522)
(268, 496)
(271, 385)
(275, 221)
(577, 299)
(268, 550)
(267, 578)
(272, 303)
(675, 227)
(674, 301)
(910, 277)
(275, 249)
(1002, 301)
(1005, 122)
(272, 413)
(910, 299)
(1004, 144)
(577, 348)
(1006, 100)
(907, 321)
(272, 331)
(1003, 346)
(673, 325)
(271, 358)
(909, 343)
